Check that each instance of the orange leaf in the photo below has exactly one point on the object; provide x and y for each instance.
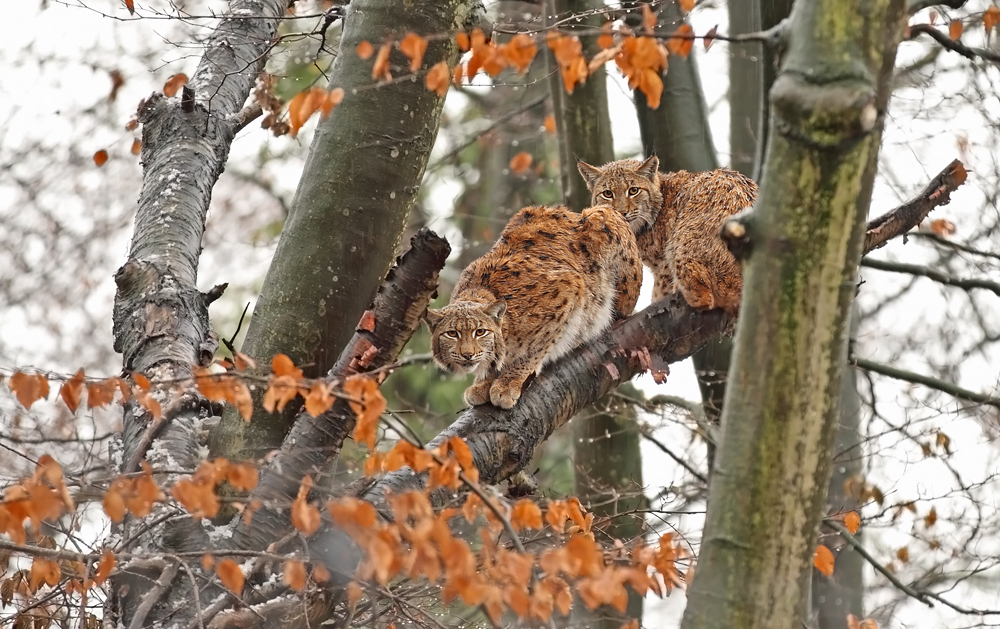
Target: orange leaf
(462, 452)
(687, 5)
(462, 39)
(207, 561)
(302, 106)
(368, 405)
(648, 17)
(823, 560)
(521, 50)
(373, 464)
(71, 389)
(526, 515)
(942, 227)
(136, 146)
(319, 399)
(282, 365)
(241, 361)
(853, 622)
(681, 41)
(101, 157)
(305, 517)
(101, 393)
(903, 554)
(28, 389)
(651, 85)
(605, 40)
(852, 522)
(991, 18)
(130, 5)
(955, 29)
(437, 82)
(710, 37)
(365, 50)
(104, 568)
(295, 575)
(242, 476)
(114, 505)
(241, 400)
(868, 624)
(142, 381)
(334, 98)
(520, 162)
(413, 46)
(231, 576)
(43, 571)
(174, 83)
(320, 573)
(150, 404)
(381, 68)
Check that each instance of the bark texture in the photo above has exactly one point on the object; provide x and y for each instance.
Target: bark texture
(161, 322)
(349, 213)
(807, 235)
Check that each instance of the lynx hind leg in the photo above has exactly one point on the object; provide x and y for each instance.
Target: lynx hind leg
(694, 282)
(479, 393)
(612, 242)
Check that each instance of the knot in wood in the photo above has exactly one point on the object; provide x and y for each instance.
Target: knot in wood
(824, 115)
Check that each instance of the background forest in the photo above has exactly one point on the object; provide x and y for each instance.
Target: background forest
(295, 212)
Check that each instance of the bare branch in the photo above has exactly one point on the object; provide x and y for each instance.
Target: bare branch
(927, 381)
(952, 45)
(154, 594)
(933, 274)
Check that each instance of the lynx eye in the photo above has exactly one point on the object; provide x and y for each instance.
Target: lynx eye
(451, 334)
(481, 332)
(633, 191)
(607, 194)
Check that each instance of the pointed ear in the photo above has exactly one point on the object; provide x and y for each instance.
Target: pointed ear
(433, 318)
(496, 309)
(648, 168)
(589, 173)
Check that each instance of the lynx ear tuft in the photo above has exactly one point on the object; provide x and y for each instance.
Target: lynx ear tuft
(433, 318)
(590, 173)
(496, 309)
(648, 168)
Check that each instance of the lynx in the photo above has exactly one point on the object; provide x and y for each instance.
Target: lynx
(555, 280)
(676, 219)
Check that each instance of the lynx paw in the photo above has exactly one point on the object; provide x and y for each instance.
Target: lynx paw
(478, 394)
(505, 394)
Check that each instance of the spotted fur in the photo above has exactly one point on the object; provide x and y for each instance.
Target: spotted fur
(676, 218)
(554, 280)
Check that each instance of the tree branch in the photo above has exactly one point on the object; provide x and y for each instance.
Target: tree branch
(907, 216)
(933, 274)
(915, 6)
(952, 45)
(153, 596)
(315, 442)
(933, 383)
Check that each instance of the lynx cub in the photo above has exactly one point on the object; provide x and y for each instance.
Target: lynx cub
(676, 219)
(555, 280)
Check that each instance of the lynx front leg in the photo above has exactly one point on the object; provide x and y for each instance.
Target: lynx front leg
(479, 393)
(506, 389)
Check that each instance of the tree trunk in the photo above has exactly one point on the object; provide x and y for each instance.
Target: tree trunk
(771, 14)
(344, 229)
(746, 85)
(806, 235)
(161, 324)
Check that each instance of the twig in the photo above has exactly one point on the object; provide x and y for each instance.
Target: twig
(447, 157)
(944, 242)
(952, 45)
(927, 381)
(245, 116)
(647, 432)
(154, 594)
(929, 273)
(915, 6)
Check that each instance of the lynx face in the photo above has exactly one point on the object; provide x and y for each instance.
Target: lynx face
(631, 187)
(466, 337)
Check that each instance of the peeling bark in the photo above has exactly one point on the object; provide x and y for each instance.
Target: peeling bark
(161, 322)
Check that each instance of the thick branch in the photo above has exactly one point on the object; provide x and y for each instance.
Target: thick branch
(314, 442)
(927, 381)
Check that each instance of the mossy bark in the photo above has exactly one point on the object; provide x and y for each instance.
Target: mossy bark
(351, 207)
(781, 409)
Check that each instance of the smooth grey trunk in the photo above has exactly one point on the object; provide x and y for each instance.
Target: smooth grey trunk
(161, 324)
(746, 85)
(351, 207)
(771, 14)
(806, 236)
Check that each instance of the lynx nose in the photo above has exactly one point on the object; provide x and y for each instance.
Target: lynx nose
(467, 355)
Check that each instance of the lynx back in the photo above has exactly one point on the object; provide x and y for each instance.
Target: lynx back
(676, 218)
(554, 280)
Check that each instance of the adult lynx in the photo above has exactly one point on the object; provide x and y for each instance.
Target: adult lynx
(555, 280)
(676, 218)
